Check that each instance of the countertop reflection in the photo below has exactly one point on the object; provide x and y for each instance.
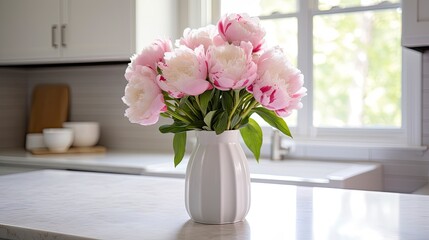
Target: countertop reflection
(56, 204)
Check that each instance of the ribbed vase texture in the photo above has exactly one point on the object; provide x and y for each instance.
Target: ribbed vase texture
(217, 179)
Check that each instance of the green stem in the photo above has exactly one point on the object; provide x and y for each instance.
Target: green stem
(177, 110)
(194, 111)
(247, 98)
(237, 95)
(173, 111)
(252, 105)
(169, 104)
(197, 100)
(179, 117)
(165, 114)
(236, 104)
(246, 103)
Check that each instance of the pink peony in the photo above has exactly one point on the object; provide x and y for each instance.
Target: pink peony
(193, 38)
(143, 97)
(235, 28)
(184, 72)
(230, 66)
(149, 56)
(279, 85)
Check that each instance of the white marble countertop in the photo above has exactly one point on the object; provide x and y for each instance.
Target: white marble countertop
(125, 162)
(304, 173)
(56, 204)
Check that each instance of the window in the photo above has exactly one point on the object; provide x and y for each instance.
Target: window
(355, 69)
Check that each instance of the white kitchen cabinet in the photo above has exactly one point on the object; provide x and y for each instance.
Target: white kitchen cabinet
(415, 23)
(27, 28)
(52, 31)
(98, 29)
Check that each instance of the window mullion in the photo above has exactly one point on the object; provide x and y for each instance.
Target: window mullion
(358, 9)
(305, 64)
(278, 16)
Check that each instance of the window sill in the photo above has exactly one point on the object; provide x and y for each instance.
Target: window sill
(346, 150)
(361, 145)
(341, 151)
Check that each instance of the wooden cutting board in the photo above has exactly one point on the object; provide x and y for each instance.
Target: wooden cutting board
(49, 107)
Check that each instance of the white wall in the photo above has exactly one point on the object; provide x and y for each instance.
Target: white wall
(156, 19)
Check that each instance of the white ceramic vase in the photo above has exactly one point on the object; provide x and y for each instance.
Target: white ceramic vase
(217, 179)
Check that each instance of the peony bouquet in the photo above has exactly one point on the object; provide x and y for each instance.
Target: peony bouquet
(214, 79)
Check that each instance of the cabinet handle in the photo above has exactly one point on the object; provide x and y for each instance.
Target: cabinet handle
(63, 35)
(53, 36)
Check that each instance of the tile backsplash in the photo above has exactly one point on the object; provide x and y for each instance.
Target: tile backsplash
(13, 104)
(96, 93)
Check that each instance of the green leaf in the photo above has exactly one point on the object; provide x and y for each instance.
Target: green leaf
(242, 122)
(204, 101)
(172, 128)
(175, 127)
(198, 124)
(227, 101)
(275, 121)
(215, 99)
(252, 136)
(221, 124)
(183, 106)
(208, 119)
(193, 106)
(165, 115)
(235, 120)
(179, 146)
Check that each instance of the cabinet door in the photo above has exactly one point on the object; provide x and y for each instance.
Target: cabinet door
(415, 23)
(29, 30)
(98, 29)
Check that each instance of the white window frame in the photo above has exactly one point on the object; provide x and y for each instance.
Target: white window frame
(306, 136)
(407, 135)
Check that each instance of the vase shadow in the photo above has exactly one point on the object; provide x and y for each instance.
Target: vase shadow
(194, 230)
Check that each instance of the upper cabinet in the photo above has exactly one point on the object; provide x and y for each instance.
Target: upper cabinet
(28, 29)
(415, 23)
(52, 31)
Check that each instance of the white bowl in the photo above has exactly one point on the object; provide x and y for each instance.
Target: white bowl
(58, 139)
(34, 141)
(86, 134)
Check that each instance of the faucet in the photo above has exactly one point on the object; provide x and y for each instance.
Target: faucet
(278, 152)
